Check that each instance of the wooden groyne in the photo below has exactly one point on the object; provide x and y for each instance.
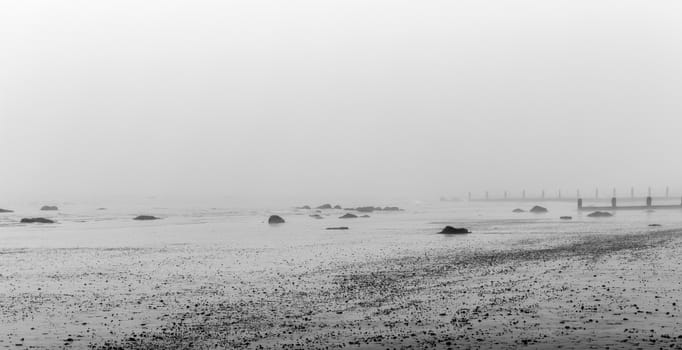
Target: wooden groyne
(614, 206)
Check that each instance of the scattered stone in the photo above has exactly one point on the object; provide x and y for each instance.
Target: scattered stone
(538, 209)
(324, 206)
(337, 207)
(566, 218)
(304, 207)
(454, 230)
(36, 220)
(364, 216)
(49, 207)
(654, 225)
(600, 214)
(275, 219)
(6, 211)
(392, 209)
(338, 228)
(518, 210)
(146, 217)
(348, 216)
(316, 216)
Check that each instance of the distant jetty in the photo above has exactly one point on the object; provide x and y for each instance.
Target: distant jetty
(648, 205)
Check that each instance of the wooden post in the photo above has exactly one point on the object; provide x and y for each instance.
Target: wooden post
(486, 195)
(667, 192)
(632, 192)
(596, 193)
(505, 194)
(580, 203)
(523, 194)
(648, 201)
(613, 202)
(543, 194)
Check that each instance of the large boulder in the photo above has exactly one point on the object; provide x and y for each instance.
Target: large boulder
(325, 206)
(538, 209)
(6, 211)
(145, 217)
(49, 207)
(348, 216)
(454, 230)
(275, 219)
(600, 214)
(36, 220)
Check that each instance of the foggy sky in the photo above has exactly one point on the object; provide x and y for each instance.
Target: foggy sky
(296, 98)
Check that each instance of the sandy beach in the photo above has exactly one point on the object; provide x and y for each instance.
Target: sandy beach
(573, 290)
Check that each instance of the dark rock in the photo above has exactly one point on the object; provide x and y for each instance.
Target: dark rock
(391, 209)
(517, 210)
(454, 230)
(654, 225)
(600, 214)
(36, 220)
(325, 206)
(566, 218)
(365, 209)
(275, 219)
(146, 217)
(538, 209)
(101, 208)
(337, 207)
(348, 216)
(316, 216)
(338, 228)
(364, 216)
(6, 211)
(304, 207)
(49, 207)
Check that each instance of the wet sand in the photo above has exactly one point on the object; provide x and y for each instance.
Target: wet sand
(572, 291)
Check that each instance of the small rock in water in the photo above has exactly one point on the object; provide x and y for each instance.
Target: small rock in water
(304, 207)
(600, 214)
(6, 211)
(538, 209)
(316, 216)
(146, 217)
(517, 210)
(566, 218)
(364, 216)
(337, 207)
(338, 228)
(392, 209)
(49, 207)
(654, 225)
(365, 209)
(454, 230)
(36, 220)
(348, 216)
(275, 219)
(324, 206)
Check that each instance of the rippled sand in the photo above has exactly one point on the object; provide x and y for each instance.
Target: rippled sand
(545, 291)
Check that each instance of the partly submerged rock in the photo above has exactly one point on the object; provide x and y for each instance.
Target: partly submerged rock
(304, 207)
(146, 217)
(391, 209)
(538, 209)
(364, 216)
(316, 216)
(348, 216)
(338, 228)
(566, 218)
(600, 214)
(36, 220)
(6, 211)
(49, 207)
(325, 206)
(654, 225)
(337, 207)
(275, 219)
(365, 209)
(454, 230)
(518, 210)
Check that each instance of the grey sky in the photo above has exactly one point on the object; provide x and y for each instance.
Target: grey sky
(413, 98)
